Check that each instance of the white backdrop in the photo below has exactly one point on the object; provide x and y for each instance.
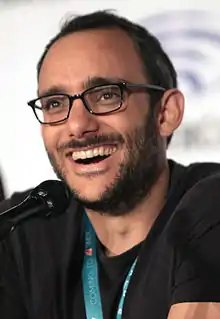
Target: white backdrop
(190, 32)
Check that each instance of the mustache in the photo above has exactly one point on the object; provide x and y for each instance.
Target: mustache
(92, 140)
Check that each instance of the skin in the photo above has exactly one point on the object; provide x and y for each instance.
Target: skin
(195, 310)
(60, 69)
(69, 64)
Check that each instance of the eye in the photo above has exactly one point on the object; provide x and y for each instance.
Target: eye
(105, 95)
(108, 96)
(53, 103)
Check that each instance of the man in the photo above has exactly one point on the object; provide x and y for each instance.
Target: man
(138, 240)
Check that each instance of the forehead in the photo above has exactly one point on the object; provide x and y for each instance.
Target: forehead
(104, 53)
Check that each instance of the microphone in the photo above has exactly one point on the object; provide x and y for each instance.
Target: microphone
(48, 199)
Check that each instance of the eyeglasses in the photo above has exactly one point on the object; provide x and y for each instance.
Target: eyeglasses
(98, 100)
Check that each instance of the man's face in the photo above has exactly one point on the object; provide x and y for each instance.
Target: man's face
(114, 183)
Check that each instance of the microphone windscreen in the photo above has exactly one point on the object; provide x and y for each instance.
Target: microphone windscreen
(54, 194)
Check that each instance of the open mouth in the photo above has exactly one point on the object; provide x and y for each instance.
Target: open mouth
(93, 160)
(93, 156)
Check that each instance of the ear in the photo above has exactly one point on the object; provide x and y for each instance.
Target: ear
(171, 112)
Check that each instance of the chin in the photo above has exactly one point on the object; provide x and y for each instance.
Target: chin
(87, 193)
(87, 199)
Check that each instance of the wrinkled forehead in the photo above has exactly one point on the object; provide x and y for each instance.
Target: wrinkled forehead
(106, 53)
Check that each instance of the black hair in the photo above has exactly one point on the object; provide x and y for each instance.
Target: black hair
(157, 65)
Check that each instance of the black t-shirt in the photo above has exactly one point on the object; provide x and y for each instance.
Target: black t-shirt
(112, 275)
(41, 261)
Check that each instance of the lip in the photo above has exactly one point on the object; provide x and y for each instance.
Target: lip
(91, 169)
(79, 149)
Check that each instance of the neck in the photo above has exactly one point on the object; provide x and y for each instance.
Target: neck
(119, 234)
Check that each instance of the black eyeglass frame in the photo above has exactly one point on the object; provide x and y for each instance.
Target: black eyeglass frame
(122, 85)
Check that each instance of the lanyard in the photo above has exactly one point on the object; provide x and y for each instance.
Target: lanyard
(90, 280)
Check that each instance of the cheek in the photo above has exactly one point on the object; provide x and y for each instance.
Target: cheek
(50, 137)
(130, 118)
(139, 105)
(45, 135)
(135, 111)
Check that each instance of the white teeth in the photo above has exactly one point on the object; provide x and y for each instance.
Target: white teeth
(95, 152)
(89, 154)
(98, 151)
(83, 154)
(101, 151)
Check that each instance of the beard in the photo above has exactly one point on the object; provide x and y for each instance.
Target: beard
(137, 174)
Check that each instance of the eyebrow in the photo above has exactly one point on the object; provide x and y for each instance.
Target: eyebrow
(52, 90)
(88, 83)
(97, 80)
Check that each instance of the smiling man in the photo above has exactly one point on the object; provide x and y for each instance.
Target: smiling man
(108, 150)
(138, 238)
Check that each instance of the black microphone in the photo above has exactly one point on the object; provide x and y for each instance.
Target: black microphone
(48, 199)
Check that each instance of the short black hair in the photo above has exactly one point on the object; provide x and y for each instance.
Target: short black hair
(157, 65)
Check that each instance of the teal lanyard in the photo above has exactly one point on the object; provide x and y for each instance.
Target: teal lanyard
(90, 280)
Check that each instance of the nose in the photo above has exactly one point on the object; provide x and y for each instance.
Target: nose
(80, 121)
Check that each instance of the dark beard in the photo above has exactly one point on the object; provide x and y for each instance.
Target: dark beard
(137, 175)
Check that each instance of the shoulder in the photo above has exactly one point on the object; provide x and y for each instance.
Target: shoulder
(199, 171)
(195, 224)
(194, 233)
(204, 194)
(194, 172)
(200, 205)
(183, 178)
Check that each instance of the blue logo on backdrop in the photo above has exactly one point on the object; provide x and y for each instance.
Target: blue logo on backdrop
(192, 40)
